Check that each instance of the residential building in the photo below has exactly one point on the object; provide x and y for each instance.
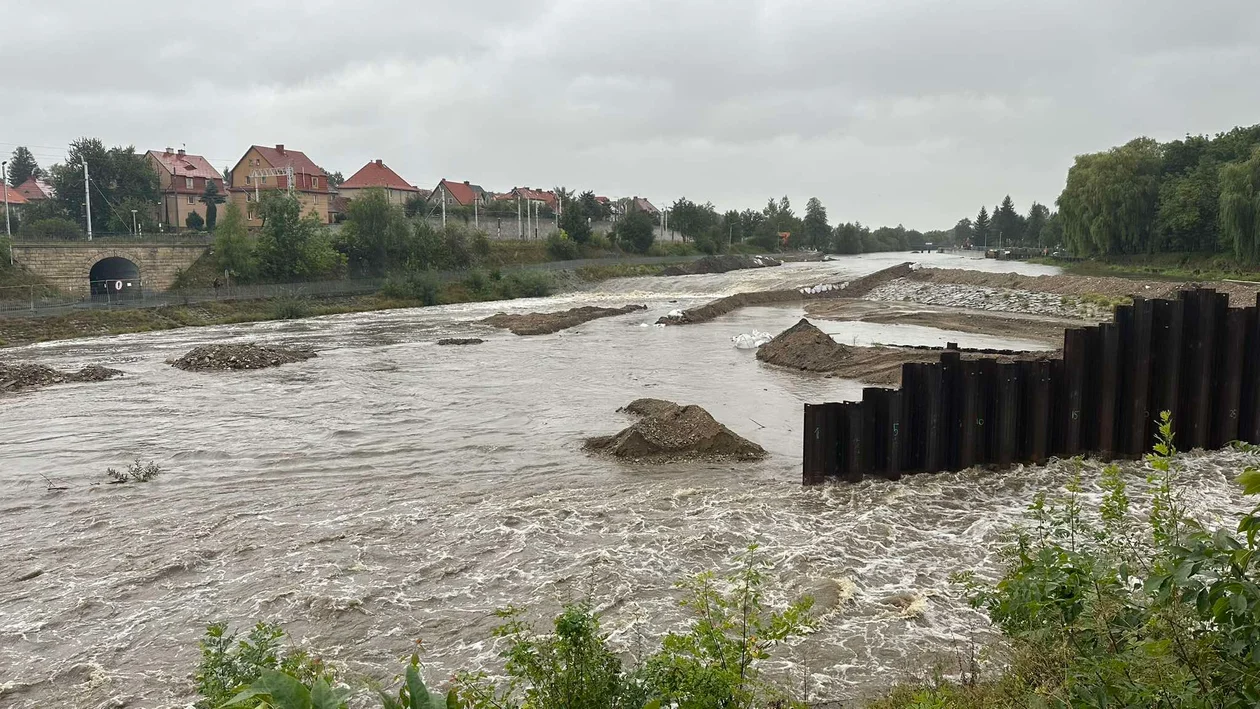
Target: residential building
(378, 174)
(641, 204)
(542, 197)
(34, 190)
(264, 169)
(14, 200)
(459, 194)
(182, 179)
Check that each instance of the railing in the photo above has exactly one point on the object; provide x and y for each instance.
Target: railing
(159, 239)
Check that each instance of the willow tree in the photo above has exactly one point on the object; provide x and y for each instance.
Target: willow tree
(1109, 203)
(1240, 207)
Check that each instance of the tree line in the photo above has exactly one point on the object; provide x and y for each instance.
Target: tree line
(1196, 194)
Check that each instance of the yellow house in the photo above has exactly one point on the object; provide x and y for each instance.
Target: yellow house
(262, 169)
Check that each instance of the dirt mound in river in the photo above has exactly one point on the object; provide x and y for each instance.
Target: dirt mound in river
(212, 358)
(448, 341)
(721, 264)
(547, 323)
(804, 346)
(666, 431)
(17, 376)
(853, 289)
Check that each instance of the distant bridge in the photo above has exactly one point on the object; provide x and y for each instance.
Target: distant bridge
(112, 264)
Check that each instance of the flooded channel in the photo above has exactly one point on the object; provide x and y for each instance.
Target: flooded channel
(391, 490)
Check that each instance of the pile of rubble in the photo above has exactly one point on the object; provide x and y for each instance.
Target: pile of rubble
(214, 358)
(668, 432)
(19, 376)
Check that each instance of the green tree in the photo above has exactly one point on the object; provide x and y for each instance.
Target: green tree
(194, 221)
(376, 236)
(292, 247)
(22, 167)
(964, 232)
(1240, 207)
(1038, 215)
(233, 247)
(117, 175)
(848, 238)
(1109, 203)
(575, 221)
(1188, 214)
(1008, 225)
(212, 199)
(591, 206)
(980, 229)
(416, 206)
(636, 232)
(1052, 235)
(690, 219)
(817, 232)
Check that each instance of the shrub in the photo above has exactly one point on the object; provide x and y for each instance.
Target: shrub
(229, 664)
(194, 221)
(636, 232)
(135, 472)
(477, 282)
(414, 285)
(56, 228)
(560, 247)
(289, 309)
(525, 284)
(481, 245)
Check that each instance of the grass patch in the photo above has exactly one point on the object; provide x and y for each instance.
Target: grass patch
(1174, 266)
(603, 272)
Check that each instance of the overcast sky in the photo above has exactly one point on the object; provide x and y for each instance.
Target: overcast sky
(890, 111)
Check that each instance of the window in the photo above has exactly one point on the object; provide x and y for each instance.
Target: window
(316, 200)
(264, 179)
(315, 182)
(188, 182)
(192, 199)
(247, 178)
(249, 213)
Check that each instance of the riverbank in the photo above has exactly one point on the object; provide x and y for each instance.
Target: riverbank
(1193, 266)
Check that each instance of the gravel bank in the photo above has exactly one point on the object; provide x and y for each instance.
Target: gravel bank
(975, 297)
(547, 323)
(21, 376)
(216, 358)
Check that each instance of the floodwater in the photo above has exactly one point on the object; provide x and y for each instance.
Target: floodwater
(391, 491)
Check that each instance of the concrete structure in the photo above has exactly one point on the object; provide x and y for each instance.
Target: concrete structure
(310, 182)
(182, 180)
(88, 266)
(378, 174)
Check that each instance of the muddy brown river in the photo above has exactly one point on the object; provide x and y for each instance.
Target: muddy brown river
(392, 490)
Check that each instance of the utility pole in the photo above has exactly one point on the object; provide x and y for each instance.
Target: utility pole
(134, 230)
(443, 208)
(87, 200)
(476, 218)
(520, 228)
(8, 229)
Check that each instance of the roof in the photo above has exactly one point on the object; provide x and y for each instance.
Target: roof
(13, 197)
(185, 165)
(378, 174)
(462, 192)
(546, 196)
(33, 188)
(280, 156)
(642, 204)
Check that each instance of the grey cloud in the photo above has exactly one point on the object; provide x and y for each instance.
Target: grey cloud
(910, 111)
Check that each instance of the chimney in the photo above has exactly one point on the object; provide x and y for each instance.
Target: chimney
(280, 148)
(378, 161)
(181, 152)
(168, 151)
(465, 181)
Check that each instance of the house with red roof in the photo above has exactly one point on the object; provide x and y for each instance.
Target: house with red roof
(34, 190)
(544, 197)
(642, 205)
(264, 169)
(377, 174)
(182, 179)
(459, 194)
(11, 199)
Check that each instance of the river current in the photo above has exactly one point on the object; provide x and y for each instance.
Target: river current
(391, 490)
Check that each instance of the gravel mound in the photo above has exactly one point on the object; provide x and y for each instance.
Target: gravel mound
(18, 376)
(448, 341)
(804, 346)
(668, 432)
(720, 264)
(216, 358)
(547, 323)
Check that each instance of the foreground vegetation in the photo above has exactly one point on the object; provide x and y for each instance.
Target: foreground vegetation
(1134, 605)
(714, 662)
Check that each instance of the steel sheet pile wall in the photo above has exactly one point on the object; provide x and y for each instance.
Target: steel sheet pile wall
(1194, 356)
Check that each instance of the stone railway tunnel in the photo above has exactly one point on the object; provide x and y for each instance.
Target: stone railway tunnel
(97, 267)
